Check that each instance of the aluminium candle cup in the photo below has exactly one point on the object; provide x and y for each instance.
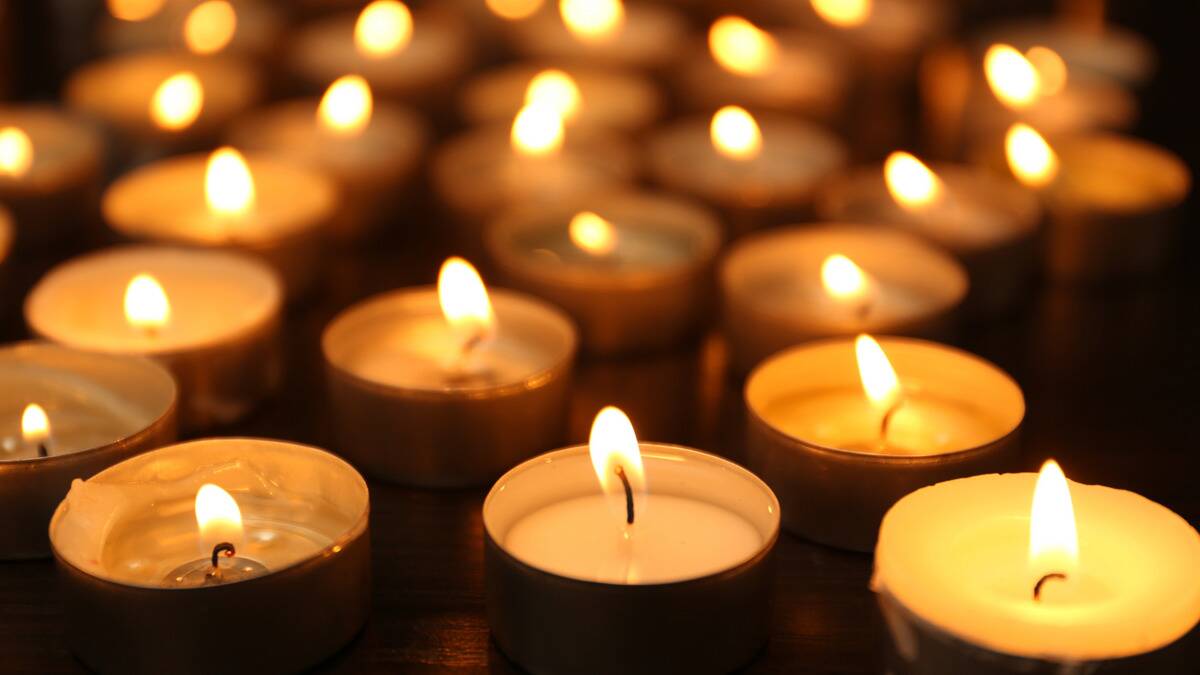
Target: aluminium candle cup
(101, 409)
(990, 223)
(56, 196)
(164, 203)
(305, 512)
(651, 291)
(403, 418)
(220, 343)
(647, 38)
(772, 295)
(922, 642)
(551, 623)
(257, 29)
(837, 496)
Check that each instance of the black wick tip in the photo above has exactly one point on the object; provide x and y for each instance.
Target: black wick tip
(224, 547)
(1037, 588)
(42, 450)
(628, 494)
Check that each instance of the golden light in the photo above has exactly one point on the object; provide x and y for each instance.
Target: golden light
(16, 152)
(843, 280)
(537, 130)
(909, 181)
(556, 89)
(134, 10)
(383, 28)
(617, 458)
(592, 233)
(218, 517)
(843, 13)
(177, 101)
(592, 20)
(1053, 541)
(741, 47)
(1050, 67)
(228, 185)
(1030, 157)
(1011, 77)
(146, 304)
(514, 10)
(735, 134)
(879, 381)
(35, 424)
(209, 27)
(464, 301)
(345, 109)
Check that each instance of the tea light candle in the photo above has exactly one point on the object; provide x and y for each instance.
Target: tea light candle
(639, 35)
(988, 222)
(372, 149)
(756, 169)
(670, 545)
(263, 205)
(289, 524)
(840, 433)
(49, 173)
(1032, 573)
(211, 317)
(587, 96)
(402, 55)
(795, 284)
(247, 27)
(472, 381)
(1087, 45)
(66, 414)
(633, 269)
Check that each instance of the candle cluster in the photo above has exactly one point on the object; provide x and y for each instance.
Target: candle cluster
(604, 185)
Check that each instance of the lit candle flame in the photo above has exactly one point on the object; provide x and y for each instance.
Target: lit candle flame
(1012, 78)
(383, 28)
(878, 377)
(843, 13)
(16, 152)
(1030, 157)
(35, 424)
(464, 301)
(735, 134)
(134, 10)
(1053, 541)
(741, 47)
(218, 517)
(514, 10)
(345, 109)
(555, 89)
(843, 280)
(537, 130)
(209, 27)
(910, 182)
(228, 185)
(615, 452)
(592, 20)
(177, 102)
(146, 304)
(592, 233)
(1050, 67)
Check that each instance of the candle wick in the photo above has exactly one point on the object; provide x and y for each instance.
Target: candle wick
(43, 451)
(1037, 588)
(887, 420)
(628, 494)
(225, 548)
(863, 310)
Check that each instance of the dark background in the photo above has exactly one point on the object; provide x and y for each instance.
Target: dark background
(1110, 374)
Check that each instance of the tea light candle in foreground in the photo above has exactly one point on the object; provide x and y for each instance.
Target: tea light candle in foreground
(371, 148)
(50, 165)
(800, 283)
(203, 27)
(988, 222)
(211, 317)
(1032, 573)
(633, 269)
(630, 557)
(755, 169)
(469, 382)
(640, 35)
(842, 428)
(220, 555)
(66, 414)
(264, 205)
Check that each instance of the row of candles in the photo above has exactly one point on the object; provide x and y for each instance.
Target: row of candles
(455, 384)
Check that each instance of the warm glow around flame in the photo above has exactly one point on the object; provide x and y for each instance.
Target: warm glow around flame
(592, 20)
(612, 445)
(537, 130)
(177, 102)
(592, 233)
(345, 109)
(228, 185)
(741, 47)
(464, 300)
(383, 28)
(1030, 157)
(514, 9)
(555, 89)
(146, 304)
(35, 425)
(909, 181)
(16, 152)
(735, 134)
(879, 381)
(843, 280)
(1053, 542)
(1011, 76)
(1051, 69)
(134, 10)
(209, 27)
(218, 516)
(843, 13)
